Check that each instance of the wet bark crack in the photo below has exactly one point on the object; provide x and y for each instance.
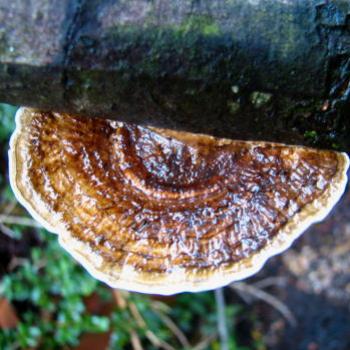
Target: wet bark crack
(72, 30)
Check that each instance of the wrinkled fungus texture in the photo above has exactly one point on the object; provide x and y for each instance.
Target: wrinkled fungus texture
(159, 200)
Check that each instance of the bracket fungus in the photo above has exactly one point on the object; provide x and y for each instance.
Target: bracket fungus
(161, 211)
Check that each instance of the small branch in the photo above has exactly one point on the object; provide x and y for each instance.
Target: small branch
(15, 262)
(149, 334)
(204, 344)
(158, 342)
(18, 220)
(9, 207)
(122, 302)
(7, 231)
(160, 306)
(222, 325)
(119, 298)
(270, 299)
(137, 316)
(135, 341)
(271, 281)
(172, 327)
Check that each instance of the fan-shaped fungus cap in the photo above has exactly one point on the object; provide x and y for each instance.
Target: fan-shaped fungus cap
(160, 211)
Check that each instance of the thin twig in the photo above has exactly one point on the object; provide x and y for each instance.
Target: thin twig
(9, 207)
(15, 262)
(135, 341)
(222, 324)
(19, 220)
(160, 306)
(7, 231)
(271, 281)
(137, 316)
(264, 283)
(204, 344)
(270, 299)
(149, 334)
(158, 342)
(121, 301)
(247, 298)
(172, 327)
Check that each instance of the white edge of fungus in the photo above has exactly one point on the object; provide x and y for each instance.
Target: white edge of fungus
(174, 282)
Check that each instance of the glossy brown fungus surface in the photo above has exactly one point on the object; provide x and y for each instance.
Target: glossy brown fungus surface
(139, 206)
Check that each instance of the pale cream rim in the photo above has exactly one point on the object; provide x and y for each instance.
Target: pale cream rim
(178, 280)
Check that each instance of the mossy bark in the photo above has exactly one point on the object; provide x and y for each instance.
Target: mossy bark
(271, 70)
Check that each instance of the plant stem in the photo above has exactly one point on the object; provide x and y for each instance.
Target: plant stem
(19, 220)
(221, 317)
(242, 287)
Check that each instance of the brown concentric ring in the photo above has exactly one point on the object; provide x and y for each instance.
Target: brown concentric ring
(174, 224)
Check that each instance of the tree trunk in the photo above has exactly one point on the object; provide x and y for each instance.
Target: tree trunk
(275, 70)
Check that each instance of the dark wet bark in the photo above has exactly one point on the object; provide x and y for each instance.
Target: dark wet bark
(263, 69)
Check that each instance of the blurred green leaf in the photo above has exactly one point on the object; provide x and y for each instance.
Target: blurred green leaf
(7, 121)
